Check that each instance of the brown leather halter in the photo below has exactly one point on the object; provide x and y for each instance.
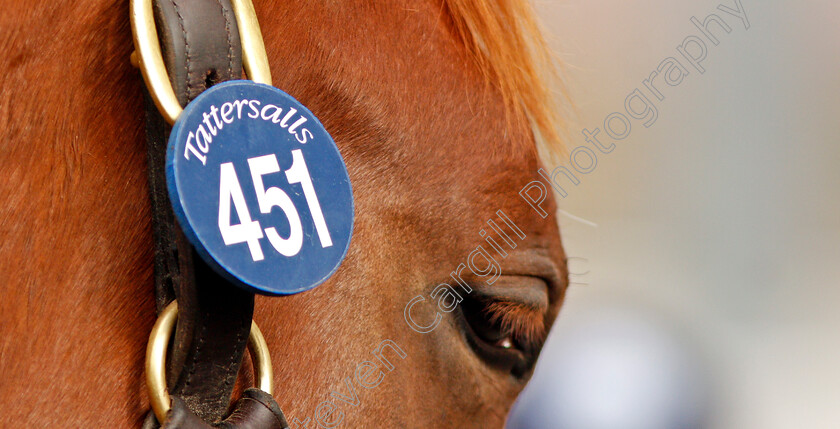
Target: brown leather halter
(200, 42)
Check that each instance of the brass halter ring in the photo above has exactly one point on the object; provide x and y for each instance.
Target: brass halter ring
(156, 360)
(148, 58)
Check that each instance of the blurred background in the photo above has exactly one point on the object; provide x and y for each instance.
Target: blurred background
(705, 248)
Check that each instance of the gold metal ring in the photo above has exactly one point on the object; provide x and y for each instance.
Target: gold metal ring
(149, 59)
(156, 360)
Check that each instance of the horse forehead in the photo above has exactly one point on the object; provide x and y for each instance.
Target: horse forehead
(392, 79)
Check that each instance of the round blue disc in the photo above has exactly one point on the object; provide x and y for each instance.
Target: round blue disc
(260, 188)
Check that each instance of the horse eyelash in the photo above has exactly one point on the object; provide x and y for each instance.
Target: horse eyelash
(522, 322)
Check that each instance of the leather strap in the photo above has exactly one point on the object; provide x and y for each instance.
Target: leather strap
(201, 47)
(255, 410)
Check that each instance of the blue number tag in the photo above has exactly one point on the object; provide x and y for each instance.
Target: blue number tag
(259, 187)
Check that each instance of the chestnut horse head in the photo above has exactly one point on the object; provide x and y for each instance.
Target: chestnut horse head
(451, 281)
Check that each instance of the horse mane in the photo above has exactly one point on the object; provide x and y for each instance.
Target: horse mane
(505, 41)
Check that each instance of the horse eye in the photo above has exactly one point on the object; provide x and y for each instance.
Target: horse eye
(492, 342)
(506, 343)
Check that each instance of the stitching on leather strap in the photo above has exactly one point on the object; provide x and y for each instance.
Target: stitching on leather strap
(194, 358)
(232, 361)
(187, 44)
(230, 44)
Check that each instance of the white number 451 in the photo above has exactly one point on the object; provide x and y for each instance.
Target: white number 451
(249, 231)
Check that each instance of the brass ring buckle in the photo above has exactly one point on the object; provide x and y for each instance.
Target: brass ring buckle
(156, 360)
(149, 59)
